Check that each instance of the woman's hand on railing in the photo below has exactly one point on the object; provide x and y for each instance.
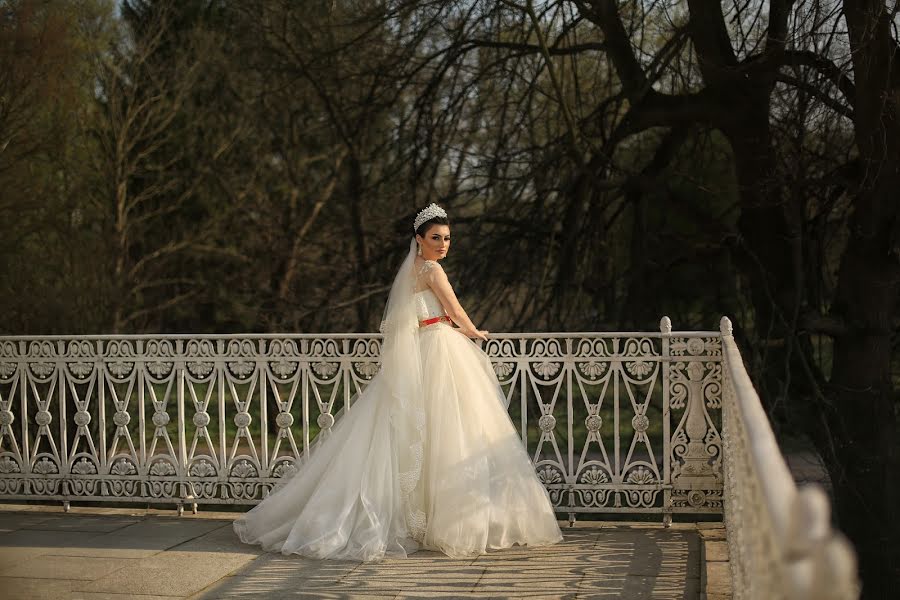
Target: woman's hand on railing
(475, 333)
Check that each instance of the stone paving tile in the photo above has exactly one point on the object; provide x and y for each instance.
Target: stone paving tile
(550, 583)
(109, 546)
(108, 596)
(639, 587)
(84, 523)
(531, 595)
(171, 573)
(152, 536)
(12, 522)
(10, 557)
(321, 595)
(716, 551)
(458, 578)
(219, 539)
(718, 579)
(277, 576)
(199, 561)
(713, 534)
(24, 545)
(14, 588)
(308, 594)
(66, 567)
(174, 527)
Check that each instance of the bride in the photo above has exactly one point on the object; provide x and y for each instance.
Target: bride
(427, 457)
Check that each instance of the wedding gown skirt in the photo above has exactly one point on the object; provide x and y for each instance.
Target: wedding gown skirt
(480, 490)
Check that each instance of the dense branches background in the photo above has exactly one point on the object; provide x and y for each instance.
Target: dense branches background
(223, 166)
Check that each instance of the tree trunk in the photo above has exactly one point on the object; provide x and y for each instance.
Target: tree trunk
(863, 426)
(864, 422)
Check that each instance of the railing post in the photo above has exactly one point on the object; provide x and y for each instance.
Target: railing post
(140, 383)
(692, 478)
(23, 407)
(732, 497)
(569, 366)
(63, 424)
(179, 366)
(665, 328)
(262, 374)
(303, 364)
(102, 366)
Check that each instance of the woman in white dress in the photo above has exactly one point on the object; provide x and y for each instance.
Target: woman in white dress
(427, 456)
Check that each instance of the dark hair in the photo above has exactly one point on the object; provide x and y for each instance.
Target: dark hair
(424, 227)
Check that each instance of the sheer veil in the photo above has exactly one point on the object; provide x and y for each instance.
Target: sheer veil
(401, 376)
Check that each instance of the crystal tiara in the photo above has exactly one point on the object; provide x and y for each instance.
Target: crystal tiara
(426, 214)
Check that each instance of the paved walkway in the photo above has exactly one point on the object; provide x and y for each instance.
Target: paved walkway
(125, 554)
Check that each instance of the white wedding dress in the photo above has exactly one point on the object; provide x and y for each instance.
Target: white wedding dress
(427, 456)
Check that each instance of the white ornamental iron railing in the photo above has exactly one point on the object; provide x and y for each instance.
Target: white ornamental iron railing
(614, 422)
(780, 540)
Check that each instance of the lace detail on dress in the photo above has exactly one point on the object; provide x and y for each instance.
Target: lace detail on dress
(409, 479)
(425, 274)
(426, 266)
(415, 523)
(414, 515)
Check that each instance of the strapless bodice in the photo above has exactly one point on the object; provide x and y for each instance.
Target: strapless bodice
(428, 306)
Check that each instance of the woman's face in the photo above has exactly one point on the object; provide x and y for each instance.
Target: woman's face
(435, 243)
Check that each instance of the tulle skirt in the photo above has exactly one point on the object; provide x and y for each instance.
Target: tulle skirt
(480, 490)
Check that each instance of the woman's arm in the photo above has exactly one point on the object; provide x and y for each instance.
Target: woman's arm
(440, 285)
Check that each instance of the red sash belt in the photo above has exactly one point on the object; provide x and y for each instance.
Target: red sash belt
(427, 322)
